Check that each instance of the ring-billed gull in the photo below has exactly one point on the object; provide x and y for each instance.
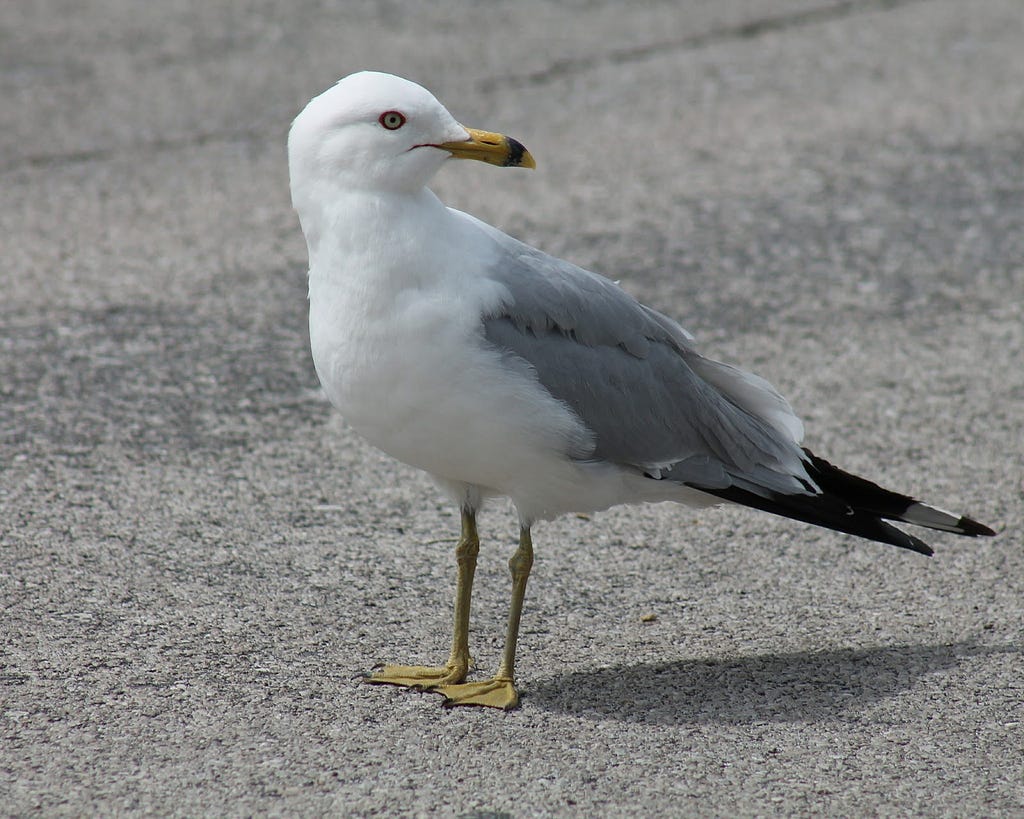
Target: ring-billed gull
(502, 371)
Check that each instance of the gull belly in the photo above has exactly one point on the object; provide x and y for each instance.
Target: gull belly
(397, 343)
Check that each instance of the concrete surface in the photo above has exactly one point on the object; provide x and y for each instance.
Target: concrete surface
(199, 559)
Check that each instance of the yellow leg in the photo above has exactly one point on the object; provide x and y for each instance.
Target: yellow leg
(500, 691)
(459, 661)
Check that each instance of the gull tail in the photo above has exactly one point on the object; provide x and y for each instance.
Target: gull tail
(856, 506)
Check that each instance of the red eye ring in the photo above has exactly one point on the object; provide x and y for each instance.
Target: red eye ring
(392, 120)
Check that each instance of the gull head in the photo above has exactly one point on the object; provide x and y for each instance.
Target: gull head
(378, 132)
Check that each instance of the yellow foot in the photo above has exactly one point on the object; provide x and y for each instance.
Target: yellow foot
(494, 693)
(418, 676)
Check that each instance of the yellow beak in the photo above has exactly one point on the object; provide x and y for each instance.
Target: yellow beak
(494, 149)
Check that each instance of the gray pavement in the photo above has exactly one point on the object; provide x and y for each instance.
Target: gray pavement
(199, 559)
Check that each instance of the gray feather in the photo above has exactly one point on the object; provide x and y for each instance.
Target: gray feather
(635, 380)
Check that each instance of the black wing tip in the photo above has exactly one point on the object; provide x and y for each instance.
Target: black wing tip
(871, 498)
(972, 528)
(914, 544)
(965, 526)
(827, 512)
(872, 528)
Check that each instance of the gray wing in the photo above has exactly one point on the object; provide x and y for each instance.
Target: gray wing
(634, 378)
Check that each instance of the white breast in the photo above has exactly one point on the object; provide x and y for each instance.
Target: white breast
(397, 342)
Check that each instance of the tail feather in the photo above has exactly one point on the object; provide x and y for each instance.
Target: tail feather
(856, 506)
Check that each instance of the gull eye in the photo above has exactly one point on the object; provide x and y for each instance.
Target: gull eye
(392, 120)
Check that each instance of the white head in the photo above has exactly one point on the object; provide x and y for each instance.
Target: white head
(379, 132)
(364, 132)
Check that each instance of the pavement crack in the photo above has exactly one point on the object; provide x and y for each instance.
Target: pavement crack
(104, 154)
(556, 70)
(724, 34)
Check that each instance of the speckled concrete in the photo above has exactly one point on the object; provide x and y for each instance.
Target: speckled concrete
(198, 559)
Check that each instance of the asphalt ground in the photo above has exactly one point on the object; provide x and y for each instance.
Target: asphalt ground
(199, 559)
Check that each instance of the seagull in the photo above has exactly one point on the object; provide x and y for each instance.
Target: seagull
(505, 372)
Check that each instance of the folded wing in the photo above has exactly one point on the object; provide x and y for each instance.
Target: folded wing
(655, 405)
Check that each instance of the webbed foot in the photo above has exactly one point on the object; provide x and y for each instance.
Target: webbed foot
(498, 692)
(421, 677)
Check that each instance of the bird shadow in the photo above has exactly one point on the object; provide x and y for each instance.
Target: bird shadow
(805, 686)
